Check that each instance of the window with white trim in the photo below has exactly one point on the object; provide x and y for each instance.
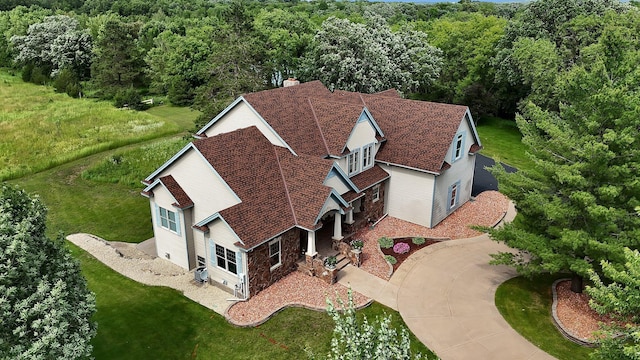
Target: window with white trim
(458, 148)
(226, 259)
(376, 193)
(275, 253)
(168, 219)
(354, 161)
(453, 197)
(367, 156)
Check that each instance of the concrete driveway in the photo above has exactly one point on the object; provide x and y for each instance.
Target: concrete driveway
(447, 300)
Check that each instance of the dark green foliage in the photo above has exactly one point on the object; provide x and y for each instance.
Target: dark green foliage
(46, 306)
(385, 242)
(67, 82)
(129, 98)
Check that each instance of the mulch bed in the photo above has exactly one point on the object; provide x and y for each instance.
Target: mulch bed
(412, 248)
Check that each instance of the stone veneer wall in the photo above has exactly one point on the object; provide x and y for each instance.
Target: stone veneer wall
(374, 210)
(260, 274)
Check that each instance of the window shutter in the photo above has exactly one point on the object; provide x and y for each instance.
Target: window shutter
(158, 221)
(449, 198)
(178, 215)
(239, 262)
(212, 253)
(464, 137)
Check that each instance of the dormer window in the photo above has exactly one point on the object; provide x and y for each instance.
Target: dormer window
(354, 161)
(458, 147)
(367, 156)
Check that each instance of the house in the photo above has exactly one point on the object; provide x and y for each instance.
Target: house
(281, 174)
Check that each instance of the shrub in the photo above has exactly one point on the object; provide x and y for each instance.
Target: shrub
(401, 248)
(129, 97)
(361, 339)
(418, 240)
(385, 242)
(390, 259)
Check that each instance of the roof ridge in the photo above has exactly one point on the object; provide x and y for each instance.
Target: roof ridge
(286, 187)
(315, 118)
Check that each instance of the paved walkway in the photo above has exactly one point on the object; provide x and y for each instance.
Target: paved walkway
(445, 294)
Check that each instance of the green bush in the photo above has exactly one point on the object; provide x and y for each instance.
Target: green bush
(418, 240)
(130, 98)
(385, 242)
(390, 259)
(67, 82)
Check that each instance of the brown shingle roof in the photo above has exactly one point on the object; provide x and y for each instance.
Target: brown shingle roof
(277, 190)
(183, 200)
(418, 133)
(369, 177)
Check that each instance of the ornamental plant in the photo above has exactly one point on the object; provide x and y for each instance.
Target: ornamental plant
(364, 339)
(385, 242)
(418, 240)
(401, 248)
(357, 244)
(390, 259)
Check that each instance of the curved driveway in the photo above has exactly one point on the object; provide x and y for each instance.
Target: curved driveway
(446, 297)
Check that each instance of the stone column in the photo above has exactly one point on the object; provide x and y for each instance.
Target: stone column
(337, 226)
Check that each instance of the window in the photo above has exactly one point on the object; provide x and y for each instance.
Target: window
(168, 219)
(376, 193)
(367, 156)
(274, 253)
(458, 148)
(201, 261)
(453, 196)
(354, 162)
(226, 259)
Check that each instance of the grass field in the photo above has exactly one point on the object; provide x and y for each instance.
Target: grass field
(40, 129)
(526, 305)
(501, 140)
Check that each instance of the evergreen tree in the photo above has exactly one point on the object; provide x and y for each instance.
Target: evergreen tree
(577, 207)
(45, 305)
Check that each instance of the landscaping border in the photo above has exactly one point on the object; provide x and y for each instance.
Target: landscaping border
(556, 321)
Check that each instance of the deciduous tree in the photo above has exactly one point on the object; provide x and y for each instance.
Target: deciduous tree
(370, 58)
(618, 296)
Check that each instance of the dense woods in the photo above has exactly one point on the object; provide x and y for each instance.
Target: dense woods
(567, 71)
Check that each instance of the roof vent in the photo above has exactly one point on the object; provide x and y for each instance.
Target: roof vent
(290, 82)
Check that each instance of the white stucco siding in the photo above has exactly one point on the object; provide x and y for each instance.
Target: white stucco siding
(362, 134)
(329, 205)
(336, 183)
(222, 235)
(409, 195)
(461, 172)
(170, 245)
(194, 174)
(240, 117)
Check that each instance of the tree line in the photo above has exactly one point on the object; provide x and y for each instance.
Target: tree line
(567, 71)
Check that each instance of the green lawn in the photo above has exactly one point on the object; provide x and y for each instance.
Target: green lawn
(100, 194)
(40, 129)
(501, 140)
(145, 322)
(526, 305)
(181, 116)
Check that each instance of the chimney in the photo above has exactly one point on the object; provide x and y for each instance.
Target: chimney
(290, 82)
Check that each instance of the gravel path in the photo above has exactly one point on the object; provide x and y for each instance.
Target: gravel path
(487, 210)
(132, 263)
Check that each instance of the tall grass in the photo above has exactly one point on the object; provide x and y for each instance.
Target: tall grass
(129, 167)
(40, 129)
